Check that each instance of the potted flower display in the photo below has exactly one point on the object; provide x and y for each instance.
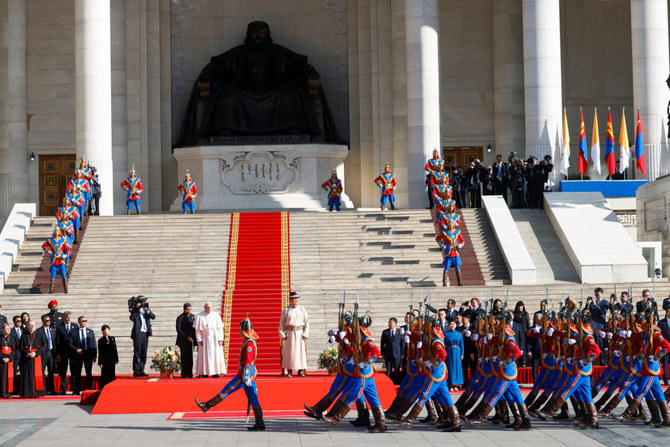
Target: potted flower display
(328, 359)
(167, 362)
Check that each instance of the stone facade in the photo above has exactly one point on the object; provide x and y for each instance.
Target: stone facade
(653, 217)
(366, 60)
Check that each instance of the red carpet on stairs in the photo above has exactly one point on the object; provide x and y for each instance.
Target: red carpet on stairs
(257, 284)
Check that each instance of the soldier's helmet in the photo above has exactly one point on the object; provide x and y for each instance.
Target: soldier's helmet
(365, 321)
(348, 319)
(248, 329)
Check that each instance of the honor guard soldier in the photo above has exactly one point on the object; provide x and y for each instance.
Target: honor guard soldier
(189, 191)
(245, 378)
(432, 178)
(334, 188)
(451, 242)
(56, 246)
(133, 185)
(386, 181)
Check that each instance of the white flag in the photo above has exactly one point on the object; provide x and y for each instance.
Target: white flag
(624, 147)
(565, 147)
(595, 143)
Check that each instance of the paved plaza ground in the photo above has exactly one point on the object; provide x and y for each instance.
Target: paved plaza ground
(59, 422)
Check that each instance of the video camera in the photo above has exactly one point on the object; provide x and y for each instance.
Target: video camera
(133, 301)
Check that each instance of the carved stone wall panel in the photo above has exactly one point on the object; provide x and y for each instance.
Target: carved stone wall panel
(259, 173)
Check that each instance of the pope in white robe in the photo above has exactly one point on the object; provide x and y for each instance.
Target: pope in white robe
(294, 331)
(209, 334)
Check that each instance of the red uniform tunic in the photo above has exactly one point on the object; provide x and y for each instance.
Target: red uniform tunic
(334, 188)
(189, 190)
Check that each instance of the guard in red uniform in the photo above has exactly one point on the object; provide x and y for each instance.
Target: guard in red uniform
(81, 184)
(451, 242)
(57, 247)
(386, 181)
(189, 191)
(245, 378)
(133, 185)
(334, 188)
(432, 167)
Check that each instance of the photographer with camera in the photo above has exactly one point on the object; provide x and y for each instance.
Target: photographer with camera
(519, 183)
(475, 177)
(96, 193)
(141, 316)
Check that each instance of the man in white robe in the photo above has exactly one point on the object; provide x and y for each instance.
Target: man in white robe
(209, 334)
(294, 331)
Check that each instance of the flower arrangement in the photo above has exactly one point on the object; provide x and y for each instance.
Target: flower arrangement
(166, 359)
(328, 358)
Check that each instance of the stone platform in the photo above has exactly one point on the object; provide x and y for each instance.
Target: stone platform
(270, 176)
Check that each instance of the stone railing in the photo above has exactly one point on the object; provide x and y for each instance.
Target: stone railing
(12, 236)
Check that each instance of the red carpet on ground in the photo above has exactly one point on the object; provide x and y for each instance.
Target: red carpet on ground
(257, 284)
(281, 394)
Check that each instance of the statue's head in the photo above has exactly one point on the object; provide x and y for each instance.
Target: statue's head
(258, 32)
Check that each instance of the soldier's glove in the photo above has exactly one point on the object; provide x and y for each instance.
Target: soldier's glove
(419, 344)
(536, 329)
(406, 339)
(362, 365)
(475, 337)
(468, 333)
(489, 337)
(626, 359)
(331, 339)
(550, 332)
(609, 335)
(583, 364)
(347, 342)
(601, 334)
(571, 341)
(247, 381)
(616, 353)
(544, 356)
(332, 333)
(343, 335)
(428, 364)
(569, 360)
(401, 331)
(494, 358)
(653, 358)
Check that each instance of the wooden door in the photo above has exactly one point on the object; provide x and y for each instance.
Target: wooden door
(55, 173)
(463, 155)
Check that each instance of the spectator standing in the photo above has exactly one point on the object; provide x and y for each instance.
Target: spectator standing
(391, 349)
(453, 342)
(96, 193)
(294, 331)
(623, 304)
(470, 354)
(451, 311)
(520, 326)
(500, 176)
(108, 357)
(664, 325)
(65, 348)
(16, 333)
(85, 353)
(48, 334)
(533, 344)
(598, 309)
(141, 317)
(56, 317)
(185, 340)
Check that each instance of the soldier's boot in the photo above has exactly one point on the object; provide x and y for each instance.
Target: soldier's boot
(392, 207)
(641, 414)
(76, 237)
(515, 413)
(463, 409)
(404, 405)
(204, 406)
(665, 414)
(580, 411)
(337, 413)
(504, 406)
(537, 404)
(666, 393)
(461, 400)
(603, 400)
(480, 413)
(594, 391)
(439, 410)
(259, 425)
(380, 421)
(530, 399)
(654, 411)
(458, 277)
(51, 286)
(390, 411)
(445, 279)
(65, 284)
(127, 213)
(496, 418)
(363, 419)
(411, 417)
(525, 419)
(431, 417)
(317, 410)
(591, 417)
(628, 412)
(452, 420)
(551, 408)
(611, 405)
(564, 413)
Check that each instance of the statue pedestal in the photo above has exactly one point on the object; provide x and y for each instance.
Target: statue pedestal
(261, 176)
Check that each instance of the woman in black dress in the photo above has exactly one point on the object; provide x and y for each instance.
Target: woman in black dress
(108, 357)
(520, 327)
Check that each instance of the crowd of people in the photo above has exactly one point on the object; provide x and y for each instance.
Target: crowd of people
(31, 357)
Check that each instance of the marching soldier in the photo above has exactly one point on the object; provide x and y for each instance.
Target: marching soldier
(451, 242)
(245, 378)
(57, 247)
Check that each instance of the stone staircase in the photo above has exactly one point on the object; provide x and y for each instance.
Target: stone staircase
(552, 263)
(171, 258)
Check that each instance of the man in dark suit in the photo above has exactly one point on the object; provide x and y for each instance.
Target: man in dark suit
(3, 319)
(598, 309)
(664, 325)
(470, 354)
(451, 311)
(391, 348)
(185, 339)
(500, 175)
(443, 320)
(647, 303)
(16, 333)
(85, 353)
(65, 348)
(533, 344)
(141, 317)
(48, 335)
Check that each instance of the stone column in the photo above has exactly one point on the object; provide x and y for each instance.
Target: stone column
(651, 64)
(508, 88)
(542, 78)
(13, 128)
(423, 97)
(93, 90)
